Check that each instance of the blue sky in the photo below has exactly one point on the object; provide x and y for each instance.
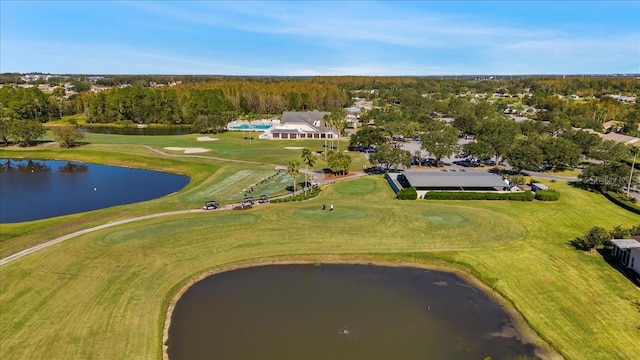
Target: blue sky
(320, 37)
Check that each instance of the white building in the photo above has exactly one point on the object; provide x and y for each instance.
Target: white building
(627, 251)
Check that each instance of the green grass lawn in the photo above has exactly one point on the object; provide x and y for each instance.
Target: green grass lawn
(105, 294)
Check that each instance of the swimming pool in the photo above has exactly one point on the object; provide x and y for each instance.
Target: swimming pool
(250, 127)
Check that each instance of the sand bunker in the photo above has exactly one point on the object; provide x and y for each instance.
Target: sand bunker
(206, 138)
(187, 150)
(294, 147)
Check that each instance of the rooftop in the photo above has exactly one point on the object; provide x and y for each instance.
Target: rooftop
(457, 180)
(303, 116)
(626, 243)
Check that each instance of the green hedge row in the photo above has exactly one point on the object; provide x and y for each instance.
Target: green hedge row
(445, 195)
(302, 196)
(622, 201)
(547, 195)
(407, 194)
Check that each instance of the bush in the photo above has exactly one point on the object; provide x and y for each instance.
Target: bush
(407, 194)
(547, 195)
(595, 237)
(622, 201)
(302, 196)
(445, 195)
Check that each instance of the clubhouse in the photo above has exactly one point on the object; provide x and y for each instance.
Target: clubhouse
(301, 125)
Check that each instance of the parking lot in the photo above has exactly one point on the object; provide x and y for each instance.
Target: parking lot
(448, 162)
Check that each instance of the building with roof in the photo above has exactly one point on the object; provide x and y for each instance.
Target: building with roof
(620, 138)
(301, 125)
(627, 251)
(538, 186)
(428, 180)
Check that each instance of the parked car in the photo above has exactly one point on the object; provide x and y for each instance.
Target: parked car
(211, 205)
(263, 199)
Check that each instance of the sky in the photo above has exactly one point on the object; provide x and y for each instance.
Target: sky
(301, 38)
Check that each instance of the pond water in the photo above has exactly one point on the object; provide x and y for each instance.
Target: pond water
(340, 312)
(39, 189)
(121, 130)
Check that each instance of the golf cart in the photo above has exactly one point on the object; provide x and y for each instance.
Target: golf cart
(211, 205)
(263, 199)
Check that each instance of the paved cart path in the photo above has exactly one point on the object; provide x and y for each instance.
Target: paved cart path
(85, 231)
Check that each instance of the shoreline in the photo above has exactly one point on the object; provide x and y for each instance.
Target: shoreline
(524, 332)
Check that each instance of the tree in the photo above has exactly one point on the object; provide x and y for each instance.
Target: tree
(559, 152)
(390, 157)
(366, 137)
(339, 163)
(610, 151)
(338, 121)
(25, 132)
(478, 149)
(440, 142)
(619, 232)
(585, 141)
(309, 160)
(5, 125)
(595, 237)
(67, 135)
(634, 151)
(500, 133)
(293, 168)
(327, 123)
(467, 123)
(605, 177)
(524, 155)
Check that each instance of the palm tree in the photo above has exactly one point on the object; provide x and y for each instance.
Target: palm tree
(634, 151)
(326, 121)
(308, 159)
(293, 169)
(337, 121)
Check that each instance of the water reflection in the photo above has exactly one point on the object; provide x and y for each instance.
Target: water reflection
(24, 166)
(30, 190)
(70, 167)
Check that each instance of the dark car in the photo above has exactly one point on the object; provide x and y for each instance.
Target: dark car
(263, 199)
(211, 205)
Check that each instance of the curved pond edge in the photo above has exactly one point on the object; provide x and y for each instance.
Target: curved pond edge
(525, 332)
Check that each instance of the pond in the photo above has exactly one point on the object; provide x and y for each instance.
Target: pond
(340, 312)
(39, 189)
(132, 130)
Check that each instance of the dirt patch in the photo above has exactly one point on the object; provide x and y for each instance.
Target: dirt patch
(206, 138)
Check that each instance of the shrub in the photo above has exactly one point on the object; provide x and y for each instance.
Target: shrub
(547, 195)
(445, 195)
(622, 201)
(595, 237)
(302, 196)
(407, 194)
